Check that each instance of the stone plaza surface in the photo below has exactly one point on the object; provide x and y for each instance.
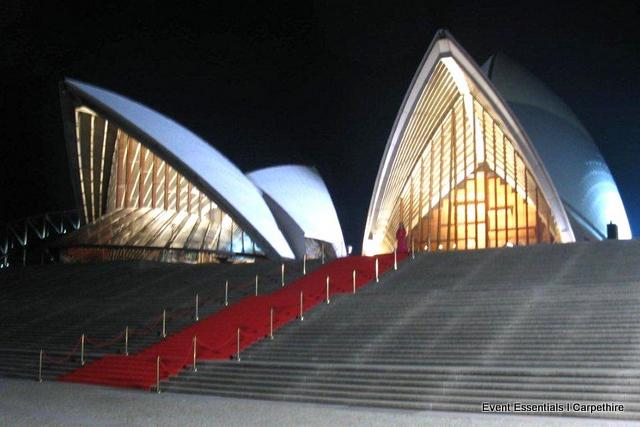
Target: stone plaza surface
(27, 403)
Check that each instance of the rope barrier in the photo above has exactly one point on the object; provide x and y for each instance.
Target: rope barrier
(64, 359)
(245, 334)
(104, 343)
(219, 347)
(148, 328)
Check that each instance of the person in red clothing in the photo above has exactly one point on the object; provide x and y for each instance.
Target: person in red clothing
(401, 237)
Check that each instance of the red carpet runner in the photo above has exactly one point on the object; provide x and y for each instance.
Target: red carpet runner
(217, 334)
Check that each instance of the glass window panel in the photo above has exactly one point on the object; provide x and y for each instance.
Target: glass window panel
(502, 238)
(461, 245)
(522, 236)
(460, 213)
(482, 231)
(471, 212)
(481, 211)
(471, 231)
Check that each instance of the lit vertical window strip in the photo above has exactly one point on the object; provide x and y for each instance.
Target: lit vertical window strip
(102, 159)
(92, 135)
(79, 149)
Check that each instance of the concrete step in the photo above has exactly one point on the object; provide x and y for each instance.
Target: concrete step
(435, 337)
(418, 402)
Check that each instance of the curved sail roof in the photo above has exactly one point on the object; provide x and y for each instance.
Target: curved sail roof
(195, 159)
(573, 160)
(302, 193)
(468, 77)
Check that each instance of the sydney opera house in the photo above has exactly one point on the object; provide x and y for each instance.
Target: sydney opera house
(150, 189)
(485, 157)
(478, 157)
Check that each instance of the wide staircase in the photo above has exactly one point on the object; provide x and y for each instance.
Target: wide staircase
(449, 331)
(49, 307)
(230, 331)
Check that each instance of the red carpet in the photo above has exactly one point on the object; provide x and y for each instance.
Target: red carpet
(217, 334)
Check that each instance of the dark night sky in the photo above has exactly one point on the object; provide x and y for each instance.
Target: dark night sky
(300, 82)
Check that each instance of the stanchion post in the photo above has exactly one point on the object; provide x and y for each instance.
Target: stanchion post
(126, 341)
(82, 350)
(195, 343)
(40, 366)
(282, 275)
(328, 298)
(164, 323)
(256, 285)
(301, 307)
(197, 314)
(354, 281)
(413, 250)
(395, 259)
(322, 250)
(377, 271)
(271, 323)
(226, 293)
(304, 265)
(238, 345)
(158, 374)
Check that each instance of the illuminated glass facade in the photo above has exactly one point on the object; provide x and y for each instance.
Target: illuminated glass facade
(133, 198)
(456, 179)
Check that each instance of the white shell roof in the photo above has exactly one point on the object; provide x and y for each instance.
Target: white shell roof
(302, 193)
(570, 155)
(444, 46)
(198, 160)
